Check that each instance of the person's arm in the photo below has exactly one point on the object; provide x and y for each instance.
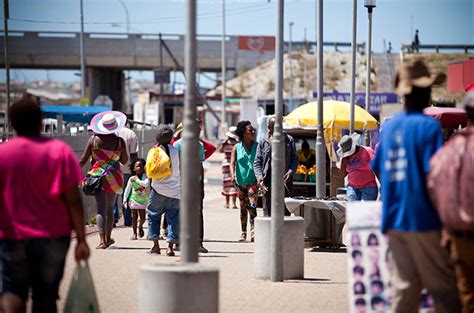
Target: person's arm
(73, 201)
(142, 182)
(133, 148)
(342, 171)
(87, 152)
(294, 160)
(233, 160)
(209, 149)
(127, 191)
(258, 163)
(221, 146)
(123, 152)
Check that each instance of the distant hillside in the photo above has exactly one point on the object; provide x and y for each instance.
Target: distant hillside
(259, 82)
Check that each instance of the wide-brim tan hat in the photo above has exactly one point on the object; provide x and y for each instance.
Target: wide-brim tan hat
(415, 73)
(178, 131)
(347, 145)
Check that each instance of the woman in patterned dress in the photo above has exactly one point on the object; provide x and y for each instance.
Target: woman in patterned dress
(228, 187)
(106, 150)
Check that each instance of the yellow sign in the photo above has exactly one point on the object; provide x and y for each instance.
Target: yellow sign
(85, 101)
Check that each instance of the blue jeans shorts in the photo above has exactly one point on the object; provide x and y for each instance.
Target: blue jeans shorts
(37, 263)
(365, 193)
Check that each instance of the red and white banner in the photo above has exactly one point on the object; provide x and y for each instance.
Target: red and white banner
(257, 43)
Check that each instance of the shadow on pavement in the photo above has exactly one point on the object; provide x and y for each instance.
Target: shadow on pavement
(231, 252)
(324, 281)
(226, 241)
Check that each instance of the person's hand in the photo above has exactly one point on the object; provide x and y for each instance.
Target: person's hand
(82, 251)
(133, 178)
(287, 175)
(260, 183)
(233, 178)
(124, 205)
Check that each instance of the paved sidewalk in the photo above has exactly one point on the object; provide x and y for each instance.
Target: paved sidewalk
(115, 270)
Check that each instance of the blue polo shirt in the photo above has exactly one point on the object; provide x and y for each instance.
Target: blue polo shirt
(407, 142)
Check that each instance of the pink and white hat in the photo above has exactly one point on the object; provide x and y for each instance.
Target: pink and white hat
(108, 122)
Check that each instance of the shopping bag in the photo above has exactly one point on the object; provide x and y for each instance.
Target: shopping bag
(81, 297)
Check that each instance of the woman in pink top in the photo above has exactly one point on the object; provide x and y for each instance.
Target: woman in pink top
(40, 204)
(355, 163)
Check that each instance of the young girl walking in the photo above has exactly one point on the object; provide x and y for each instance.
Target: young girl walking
(135, 197)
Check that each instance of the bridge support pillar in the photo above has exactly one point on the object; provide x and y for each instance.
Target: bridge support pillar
(109, 82)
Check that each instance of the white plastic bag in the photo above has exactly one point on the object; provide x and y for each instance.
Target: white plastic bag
(81, 297)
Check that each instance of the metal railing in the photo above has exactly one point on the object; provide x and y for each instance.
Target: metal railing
(410, 48)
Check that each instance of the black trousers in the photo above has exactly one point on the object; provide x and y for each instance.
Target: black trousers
(267, 197)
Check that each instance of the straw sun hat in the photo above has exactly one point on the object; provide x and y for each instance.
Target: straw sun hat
(347, 145)
(108, 122)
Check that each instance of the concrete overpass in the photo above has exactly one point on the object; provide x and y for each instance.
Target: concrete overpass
(108, 54)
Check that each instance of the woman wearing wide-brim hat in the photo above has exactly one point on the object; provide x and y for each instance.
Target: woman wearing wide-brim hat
(106, 151)
(229, 191)
(355, 163)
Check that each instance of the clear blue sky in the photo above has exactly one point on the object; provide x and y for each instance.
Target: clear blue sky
(439, 21)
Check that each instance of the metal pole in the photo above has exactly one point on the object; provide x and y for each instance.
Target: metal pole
(83, 59)
(6, 16)
(353, 65)
(320, 145)
(223, 74)
(291, 65)
(127, 83)
(278, 160)
(368, 82)
(305, 75)
(161, 107)
(190, 156)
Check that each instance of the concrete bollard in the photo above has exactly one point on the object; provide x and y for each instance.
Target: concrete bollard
(293, 248)
(179, 288)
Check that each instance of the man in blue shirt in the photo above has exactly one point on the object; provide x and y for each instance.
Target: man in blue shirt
(408, 140)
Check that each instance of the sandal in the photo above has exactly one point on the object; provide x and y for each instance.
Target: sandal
(141, 233)
(110, 242)
(226, 206)
(134, 237)
(252, 236)
(101, 245)
(170, 253)
(152, 251)
(235, 207)
(243, 237)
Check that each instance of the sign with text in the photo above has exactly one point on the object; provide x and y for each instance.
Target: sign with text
(257, 43)
(162, 75)
(370, 289)
(376, 98)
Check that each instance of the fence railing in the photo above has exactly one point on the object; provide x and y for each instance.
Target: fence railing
(77, 141)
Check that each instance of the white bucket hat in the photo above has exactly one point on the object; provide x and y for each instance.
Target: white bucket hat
(347, 145)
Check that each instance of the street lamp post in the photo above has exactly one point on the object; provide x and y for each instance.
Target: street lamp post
(320, 146)
(278, 160)
(353, 65)
(6, 16)
(83, 55)
(223, 75)
(127, 83)
(291, 63)
(370, 5)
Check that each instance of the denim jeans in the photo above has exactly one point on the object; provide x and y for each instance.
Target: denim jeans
(127, 213)
(364, 193)
(37, 263)
(157, 205)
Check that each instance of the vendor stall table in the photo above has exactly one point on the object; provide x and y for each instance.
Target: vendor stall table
(324, 219)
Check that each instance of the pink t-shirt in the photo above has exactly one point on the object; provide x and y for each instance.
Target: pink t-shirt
(358, 168)
(33, 175)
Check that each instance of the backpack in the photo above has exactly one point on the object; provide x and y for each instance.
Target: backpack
(158, 163)
(450, 182)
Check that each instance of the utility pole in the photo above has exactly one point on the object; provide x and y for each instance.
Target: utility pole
(83, 58)
(278, 159)
(189, 230)
(6, 16)
(353, 65)
(161, 106)
(370, 5)
(290, 50)
(320, 144)
(223, 75)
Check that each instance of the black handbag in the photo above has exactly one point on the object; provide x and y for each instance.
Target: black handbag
(92, 185)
